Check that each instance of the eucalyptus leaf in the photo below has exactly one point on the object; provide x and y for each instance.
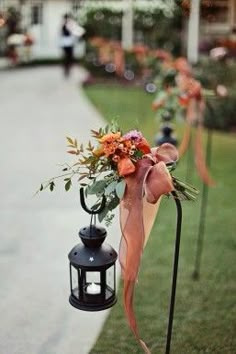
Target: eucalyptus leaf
(52, 185)
(111, 187)
(113, 203)
(97, 187)
(120, 189)
(68, 185)
(103, 214)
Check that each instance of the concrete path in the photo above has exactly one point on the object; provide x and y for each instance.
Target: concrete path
(38, 108)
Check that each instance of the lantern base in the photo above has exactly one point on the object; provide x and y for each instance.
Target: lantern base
(92, 307)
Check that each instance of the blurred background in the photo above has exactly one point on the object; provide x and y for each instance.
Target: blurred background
(68, 66)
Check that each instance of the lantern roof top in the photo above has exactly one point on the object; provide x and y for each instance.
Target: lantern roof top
(92, 258)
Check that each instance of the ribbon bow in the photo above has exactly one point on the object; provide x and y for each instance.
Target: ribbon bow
(138, 209)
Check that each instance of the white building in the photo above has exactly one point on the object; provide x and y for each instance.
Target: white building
(42, 19)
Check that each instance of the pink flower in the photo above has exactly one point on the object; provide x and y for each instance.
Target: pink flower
(133, 135)
(221, 91)
(218, 53)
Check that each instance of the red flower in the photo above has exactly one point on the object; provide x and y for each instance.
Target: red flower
(144, 146)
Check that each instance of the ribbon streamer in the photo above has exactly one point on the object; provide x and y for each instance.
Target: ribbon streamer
(200, 159)
(119, 59)
(138, 209)
(194, 115)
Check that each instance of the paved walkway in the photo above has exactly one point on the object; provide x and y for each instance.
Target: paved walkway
(38, 108)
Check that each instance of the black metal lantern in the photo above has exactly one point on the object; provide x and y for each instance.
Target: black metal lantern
(92, 271)
(165, 136)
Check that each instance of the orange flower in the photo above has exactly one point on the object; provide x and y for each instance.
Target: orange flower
(181, 64)
(128, 144)
(110, 143)
(144, 146)
(109, 149)
(97, 41)
(163, 54)
(109, 138)
(189, 86)
(184, 100)
(125, 166)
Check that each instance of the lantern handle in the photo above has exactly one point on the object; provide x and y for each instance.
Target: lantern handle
(90, 211)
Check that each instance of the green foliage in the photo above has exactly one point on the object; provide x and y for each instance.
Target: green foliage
(160, 31)
(107, 25)
(120, 189)
(100, 172)
(215, 73)
(154, 28)
(223, 116)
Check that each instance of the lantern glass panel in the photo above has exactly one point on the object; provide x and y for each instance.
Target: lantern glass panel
(110, 278)
(74, 282)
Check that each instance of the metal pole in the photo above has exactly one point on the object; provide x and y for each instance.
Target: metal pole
(175, 272)
(201, 229)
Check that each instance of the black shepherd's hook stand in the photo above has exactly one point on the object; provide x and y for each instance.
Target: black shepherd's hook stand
(175, 272)
(204, 202)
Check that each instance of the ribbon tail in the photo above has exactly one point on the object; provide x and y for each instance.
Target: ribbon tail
(145, 348)
(119, 61)
(128, 301)
(200, 158)
(186, 140)
(133, 239)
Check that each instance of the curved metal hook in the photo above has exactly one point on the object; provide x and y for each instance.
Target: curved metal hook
(90, 211)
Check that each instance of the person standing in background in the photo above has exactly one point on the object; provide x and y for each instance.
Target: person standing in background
(70, 32)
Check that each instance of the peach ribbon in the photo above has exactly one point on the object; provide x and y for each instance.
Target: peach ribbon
(199, 157)
(138, 209)
(195, 107)
(119, 59)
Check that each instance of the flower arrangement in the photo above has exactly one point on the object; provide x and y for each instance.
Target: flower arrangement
(130, 174)
(180, 94)
(102, 169)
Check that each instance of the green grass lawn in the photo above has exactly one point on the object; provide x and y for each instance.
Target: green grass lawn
(205, 313)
